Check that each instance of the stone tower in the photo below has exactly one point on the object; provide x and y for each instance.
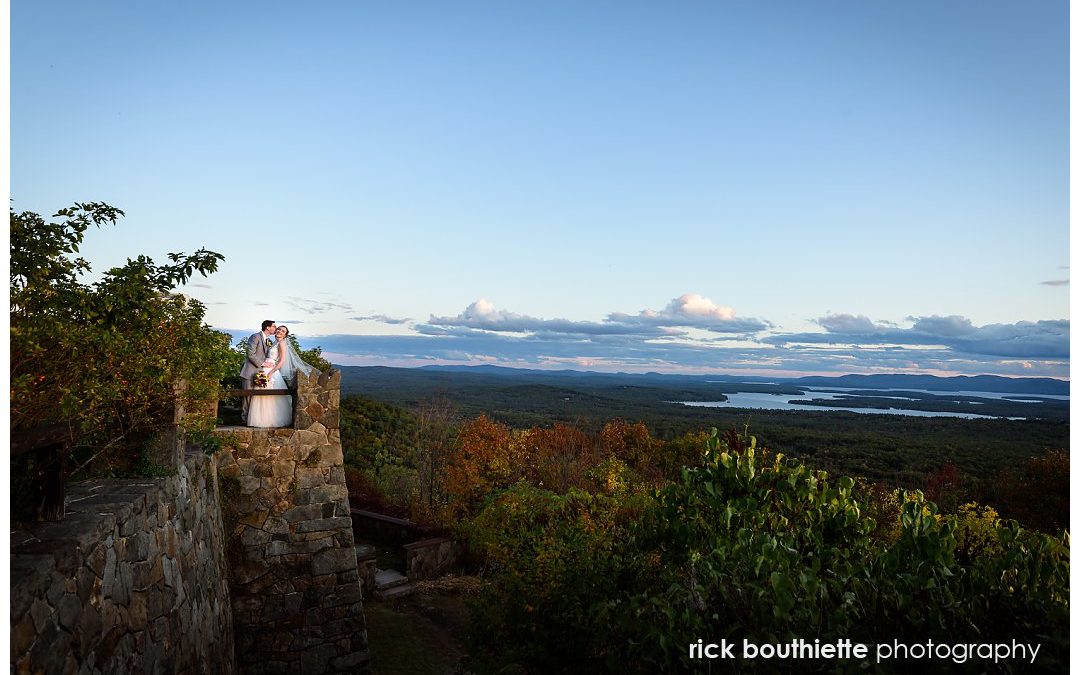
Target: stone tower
(296, 597)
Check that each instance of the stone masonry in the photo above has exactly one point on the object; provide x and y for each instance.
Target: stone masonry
(297, 604)
(131, 581)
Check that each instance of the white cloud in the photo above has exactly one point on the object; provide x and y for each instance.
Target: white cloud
(317, 307)
(692, 310)
(698, 307)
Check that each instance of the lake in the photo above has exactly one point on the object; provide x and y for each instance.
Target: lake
(765, 401)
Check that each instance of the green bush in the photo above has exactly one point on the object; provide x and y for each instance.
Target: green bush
(766, 549)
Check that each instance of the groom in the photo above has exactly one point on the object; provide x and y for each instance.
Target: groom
(258, 348)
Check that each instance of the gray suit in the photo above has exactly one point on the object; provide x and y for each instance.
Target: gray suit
(257, 352)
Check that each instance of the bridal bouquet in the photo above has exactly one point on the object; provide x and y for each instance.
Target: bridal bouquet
(260, 380)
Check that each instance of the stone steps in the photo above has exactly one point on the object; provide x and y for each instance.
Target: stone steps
(395, 592)
(392, 584)
(385, 579)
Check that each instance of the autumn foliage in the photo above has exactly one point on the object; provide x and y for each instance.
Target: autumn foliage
(486, 460)
(491, 456)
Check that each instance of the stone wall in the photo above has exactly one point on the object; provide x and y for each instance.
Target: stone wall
(431, 558)
(366, 564)
(297, 604)
(131, 581)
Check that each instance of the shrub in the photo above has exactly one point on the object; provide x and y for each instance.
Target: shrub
(976, 532)
(554, 558)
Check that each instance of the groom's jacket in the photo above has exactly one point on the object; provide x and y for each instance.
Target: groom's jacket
(257, 352)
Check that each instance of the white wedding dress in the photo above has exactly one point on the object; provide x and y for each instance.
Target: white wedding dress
(271, 411)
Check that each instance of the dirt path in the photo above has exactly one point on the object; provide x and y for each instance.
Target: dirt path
(421, 634)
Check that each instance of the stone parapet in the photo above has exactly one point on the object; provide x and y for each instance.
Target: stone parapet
(132, 580)
(432, 558)
(318, 400)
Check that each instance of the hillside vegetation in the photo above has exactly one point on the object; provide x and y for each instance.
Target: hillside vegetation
(621, 547)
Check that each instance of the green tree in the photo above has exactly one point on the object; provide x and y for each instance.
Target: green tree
(105, 357)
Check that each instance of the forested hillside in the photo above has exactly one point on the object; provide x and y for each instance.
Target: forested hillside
(897, 449)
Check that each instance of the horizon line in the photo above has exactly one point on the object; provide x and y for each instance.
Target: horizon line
(657, 372)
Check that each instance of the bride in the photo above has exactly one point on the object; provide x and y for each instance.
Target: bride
(281, 366)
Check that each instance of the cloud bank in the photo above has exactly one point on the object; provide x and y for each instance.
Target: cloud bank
(694, 334)
(1024, 339)
(687, 311)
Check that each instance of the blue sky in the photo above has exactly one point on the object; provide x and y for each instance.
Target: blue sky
(746, 187)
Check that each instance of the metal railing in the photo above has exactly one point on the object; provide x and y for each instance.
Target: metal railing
(257, 392)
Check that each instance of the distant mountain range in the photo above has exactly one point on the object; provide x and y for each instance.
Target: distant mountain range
(1003, 385)
(987, 383)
